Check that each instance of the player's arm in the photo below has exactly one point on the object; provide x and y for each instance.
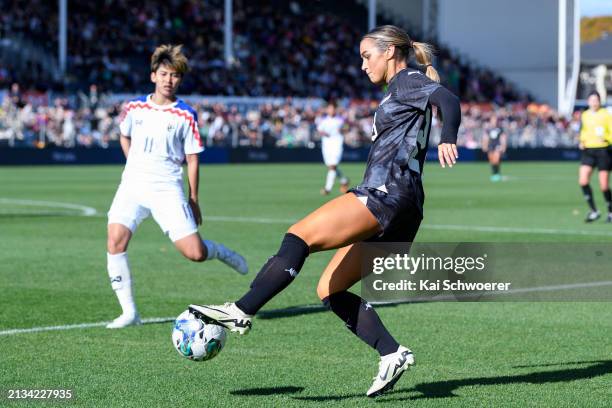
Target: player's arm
(609, 128)
(125, 130)
(485, 142)
(582, 138)
(450, 108)
(125, 142)
(193, 178)
(503, 141)
(320, 129)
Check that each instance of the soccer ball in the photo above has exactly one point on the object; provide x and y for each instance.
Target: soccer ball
(196, 340)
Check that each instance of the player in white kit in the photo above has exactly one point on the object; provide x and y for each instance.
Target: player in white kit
(332, 143)
(158, 133)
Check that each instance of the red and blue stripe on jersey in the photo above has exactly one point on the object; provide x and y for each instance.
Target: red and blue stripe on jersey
(181, 109)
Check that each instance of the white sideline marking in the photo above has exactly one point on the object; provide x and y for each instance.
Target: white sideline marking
(256, 220)
(77, 326)
(445, 227)
(86, 211)
(89, 212)
(549, 288)
(512, 230)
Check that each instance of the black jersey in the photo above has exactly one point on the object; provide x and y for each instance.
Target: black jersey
(495, 138)
(400, 132)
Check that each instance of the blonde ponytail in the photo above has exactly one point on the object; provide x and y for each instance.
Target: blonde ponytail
(388, 35)
(423, 53)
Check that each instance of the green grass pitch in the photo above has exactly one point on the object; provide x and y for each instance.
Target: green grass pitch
(53, 272)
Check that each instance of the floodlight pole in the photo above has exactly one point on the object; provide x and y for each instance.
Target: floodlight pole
(228, 41)
(371, 14)
(572, 86)
(62, 35)
(425, 19)
(561, 56)
(566, 90)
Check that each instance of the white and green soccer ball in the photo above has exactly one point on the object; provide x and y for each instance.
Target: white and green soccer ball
(196, 340)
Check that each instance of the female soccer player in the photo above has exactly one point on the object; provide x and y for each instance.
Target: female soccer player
(332, 142)
(595, 137)
(159, 132)
(387, 206)
(494, 144)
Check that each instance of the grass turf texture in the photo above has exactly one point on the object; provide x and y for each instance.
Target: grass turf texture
(53, 272)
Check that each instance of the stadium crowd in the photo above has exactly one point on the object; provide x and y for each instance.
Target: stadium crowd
(281, 48)
(91, 120)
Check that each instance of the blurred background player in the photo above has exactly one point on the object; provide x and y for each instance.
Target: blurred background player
(332, 143)
(386, 207)
(158, 133)
(595, 138)
(494, 143)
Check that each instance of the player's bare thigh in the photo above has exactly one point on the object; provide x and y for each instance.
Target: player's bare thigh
(494, 157)
(339, 222)
(191, 247)
(118, 238)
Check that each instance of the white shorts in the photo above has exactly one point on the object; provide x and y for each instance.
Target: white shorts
(332, 152)
(133, 204)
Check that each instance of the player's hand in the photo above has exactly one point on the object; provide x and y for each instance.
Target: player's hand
(581, 146)
(195, 210)
(447, 154)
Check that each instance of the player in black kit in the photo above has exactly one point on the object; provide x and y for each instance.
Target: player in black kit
(494, 145)
(386, 206)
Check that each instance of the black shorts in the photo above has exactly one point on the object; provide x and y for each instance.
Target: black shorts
(399, 215)
(596, 157)
(494, 148)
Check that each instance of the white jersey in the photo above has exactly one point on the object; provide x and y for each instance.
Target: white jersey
(331, 125)
(332, 142)
(160, 136)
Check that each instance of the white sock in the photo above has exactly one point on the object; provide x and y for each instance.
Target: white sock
(121, 281)
(212, 249)
(329, 182)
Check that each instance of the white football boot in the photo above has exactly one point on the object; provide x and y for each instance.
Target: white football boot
(227, 315)
(592, 216)
(232, 259)
(390, 369)
(124, 321)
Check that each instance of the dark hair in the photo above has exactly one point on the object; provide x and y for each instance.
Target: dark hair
(170, 55)
(594, 93)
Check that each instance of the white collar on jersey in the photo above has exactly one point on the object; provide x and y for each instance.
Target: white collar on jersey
(156, 106)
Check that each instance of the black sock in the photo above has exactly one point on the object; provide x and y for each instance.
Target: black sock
(276, 274)
(361, 318)
(495, 168)
(588, 196)
(608, 197)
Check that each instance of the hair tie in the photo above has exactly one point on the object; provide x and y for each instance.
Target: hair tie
(411, 44)
(428, 65)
